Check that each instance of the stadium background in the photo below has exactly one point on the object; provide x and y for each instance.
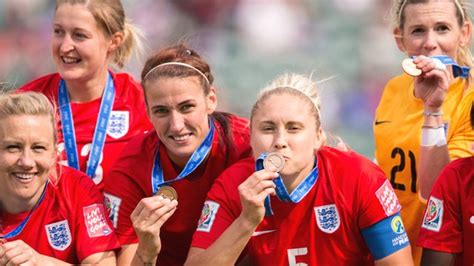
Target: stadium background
(247, 43)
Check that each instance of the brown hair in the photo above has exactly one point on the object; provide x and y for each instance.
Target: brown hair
(182, 54)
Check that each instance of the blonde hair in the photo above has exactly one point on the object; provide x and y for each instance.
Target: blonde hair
(110, 18)
(293, 84)
(34, 104)
(464, 56)
(28, 103)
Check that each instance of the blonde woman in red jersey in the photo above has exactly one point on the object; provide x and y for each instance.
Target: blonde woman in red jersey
(100, 110)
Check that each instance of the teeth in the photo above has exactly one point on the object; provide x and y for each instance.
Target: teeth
(181, 137)
(69, 60)
(24, 176)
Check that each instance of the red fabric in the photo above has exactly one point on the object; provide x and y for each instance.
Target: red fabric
(455, 187)
(66, 201)
(130, 181)
(128, 98)
(345, 179)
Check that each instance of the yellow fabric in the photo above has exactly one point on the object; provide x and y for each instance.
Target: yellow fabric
(397, 133)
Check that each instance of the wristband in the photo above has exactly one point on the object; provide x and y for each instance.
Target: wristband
(439, 113)
(433, 136)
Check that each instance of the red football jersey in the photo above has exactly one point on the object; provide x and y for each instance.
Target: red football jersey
(448, 223)
(66, 225)
(130, 181)
(324, 228)
(128, 118)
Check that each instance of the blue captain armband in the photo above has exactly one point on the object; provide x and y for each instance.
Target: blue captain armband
(386, 237)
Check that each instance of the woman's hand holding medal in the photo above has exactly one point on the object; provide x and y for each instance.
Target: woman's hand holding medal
(258, 187)
(147, 218)
(432, 80)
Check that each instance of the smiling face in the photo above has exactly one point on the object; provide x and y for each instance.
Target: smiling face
(27, 153)
(432, 28)
(179, 111)
(284, 123)
(80, 49)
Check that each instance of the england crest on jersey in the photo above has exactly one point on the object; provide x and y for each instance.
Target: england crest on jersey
(118, 124)
(59, 235)
(327, 218)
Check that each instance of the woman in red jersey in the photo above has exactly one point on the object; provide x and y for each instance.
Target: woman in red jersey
(297, 201)
(190, 146)
(447, 230)
(45, 219)
(100, 110)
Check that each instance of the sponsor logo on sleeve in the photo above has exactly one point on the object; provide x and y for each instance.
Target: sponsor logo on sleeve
(112, 203)
(433, 215)
(118, 124)
(59, 235)
(388, 199)
(327, 218)
(96, 223)
(208, 215)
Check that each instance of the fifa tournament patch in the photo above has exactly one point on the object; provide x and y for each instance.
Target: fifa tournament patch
(208, 214)
(388, 199)
(433, 218)
(118, 124)
(59, 235)
(112, 205)
(401, 238)
(327, 218)
(96, 223)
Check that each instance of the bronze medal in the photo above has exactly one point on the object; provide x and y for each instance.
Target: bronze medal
(167, 192)
(274, 162)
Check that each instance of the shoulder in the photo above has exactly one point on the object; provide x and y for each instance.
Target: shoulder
(139, 146)
(44, 84)
(349, 166)
(393, 87)
(458, 171)
(237, 173)
(73, 183)
(126, 85)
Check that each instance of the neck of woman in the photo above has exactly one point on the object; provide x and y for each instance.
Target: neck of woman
(292, 181)
(15, 205)
(81, 91)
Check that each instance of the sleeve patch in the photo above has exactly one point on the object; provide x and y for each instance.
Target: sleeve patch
(388, 199)
(386, 237)
(96, 223)
(433, 218)
(112, 203)
(208, 215)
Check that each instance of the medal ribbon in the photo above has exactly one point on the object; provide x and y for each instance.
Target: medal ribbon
(282, 193)
(15, 232)
(198, 156)
(100, 131)
(458, 71)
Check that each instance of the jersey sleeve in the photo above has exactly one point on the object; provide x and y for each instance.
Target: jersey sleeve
(376, 197)
(94, 231)
(122, 194)
(441, 228)
(218, 213)
(461, 139)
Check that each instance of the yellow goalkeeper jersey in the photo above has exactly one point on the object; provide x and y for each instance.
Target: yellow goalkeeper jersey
(397, 133)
